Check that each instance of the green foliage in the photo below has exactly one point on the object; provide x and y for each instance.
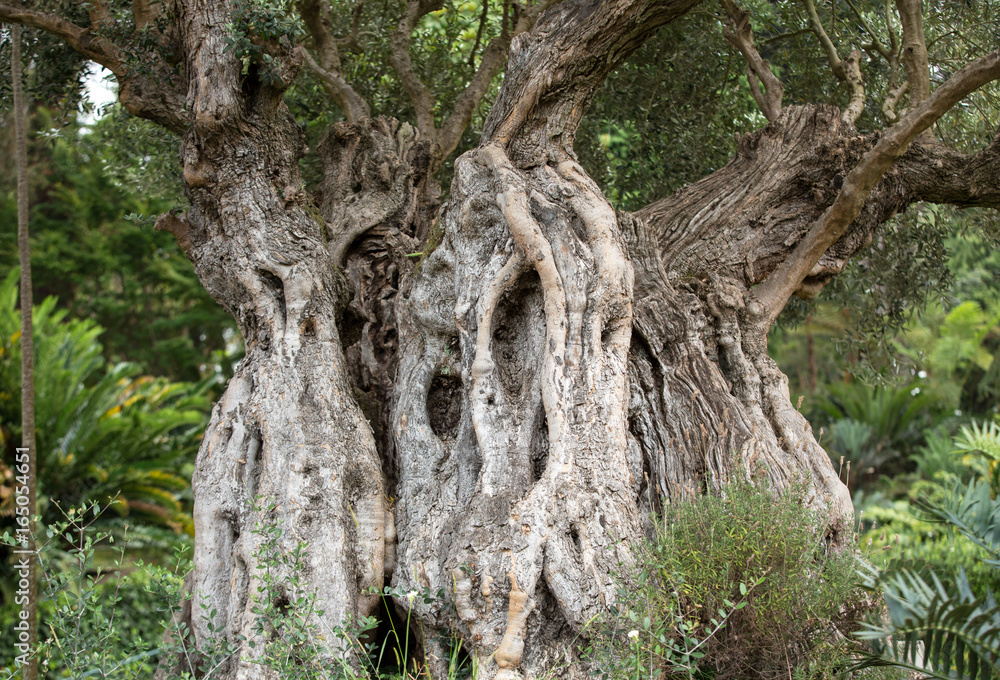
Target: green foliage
(105, 615)
(256, 27)
(935, 631)
(122, 274)
(980, 444)
(735, 585)
(103, 432)
(874, 430)
(975, 514)
(945, 629)
(100, 615)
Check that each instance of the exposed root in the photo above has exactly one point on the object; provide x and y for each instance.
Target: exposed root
(508, 655)
(614, 275)
(463, 595)
(482, 366)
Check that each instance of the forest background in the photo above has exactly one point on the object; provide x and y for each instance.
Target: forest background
(895, 364)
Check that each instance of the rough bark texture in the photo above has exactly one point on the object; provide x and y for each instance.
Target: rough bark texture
(533, 425)
(287, 444)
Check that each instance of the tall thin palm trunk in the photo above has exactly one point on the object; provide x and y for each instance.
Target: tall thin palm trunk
(30, 670)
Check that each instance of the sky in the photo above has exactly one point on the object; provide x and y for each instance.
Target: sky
(101, 90)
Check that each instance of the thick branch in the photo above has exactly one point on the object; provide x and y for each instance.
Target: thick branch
(420, 95)
(346, 97)
(75, 36)
(783, 281)
(316, 16)
(914, 50)
(100, 14)
(555, 70)
(740, 35)
(157, 97)
(494, 57)
(935, 173)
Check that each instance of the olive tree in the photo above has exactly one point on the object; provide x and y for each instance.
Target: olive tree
(489, 396)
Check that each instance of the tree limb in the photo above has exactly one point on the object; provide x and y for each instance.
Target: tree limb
(316, 16)
(891, 99)
(494, 58)
(77, 37)
(346, 97)
(824, 39)
(855, 87)
(420, 95)
(914, 50)
(848, 71)
(740, 35)
(351, 39)
(479, 32)
(100, 14)
(876, 43)
(774, 292)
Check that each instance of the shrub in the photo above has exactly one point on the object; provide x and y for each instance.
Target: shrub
(738, 585)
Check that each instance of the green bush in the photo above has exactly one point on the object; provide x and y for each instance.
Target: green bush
(738, 585)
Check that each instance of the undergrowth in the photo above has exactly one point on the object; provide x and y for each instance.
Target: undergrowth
(735, 585)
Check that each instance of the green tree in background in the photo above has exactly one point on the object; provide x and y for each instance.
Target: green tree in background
(103, 266)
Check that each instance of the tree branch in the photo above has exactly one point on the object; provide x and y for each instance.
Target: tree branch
(494, 58)
(740, 35)
(100, 14)
(855, 87)
(937, 174)
(344, 96)
(891, 99)
(479, 32)
(316, 16)
(848, 71)
(351, 39)
(774, 292)
(420, 95)
(553, 71)
(824, 39)
(876, 43)
(914, 50)
(75, 36)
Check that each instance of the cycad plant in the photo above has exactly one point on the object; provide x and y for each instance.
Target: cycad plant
(105, 434)
(937, 630)
(875, 429)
